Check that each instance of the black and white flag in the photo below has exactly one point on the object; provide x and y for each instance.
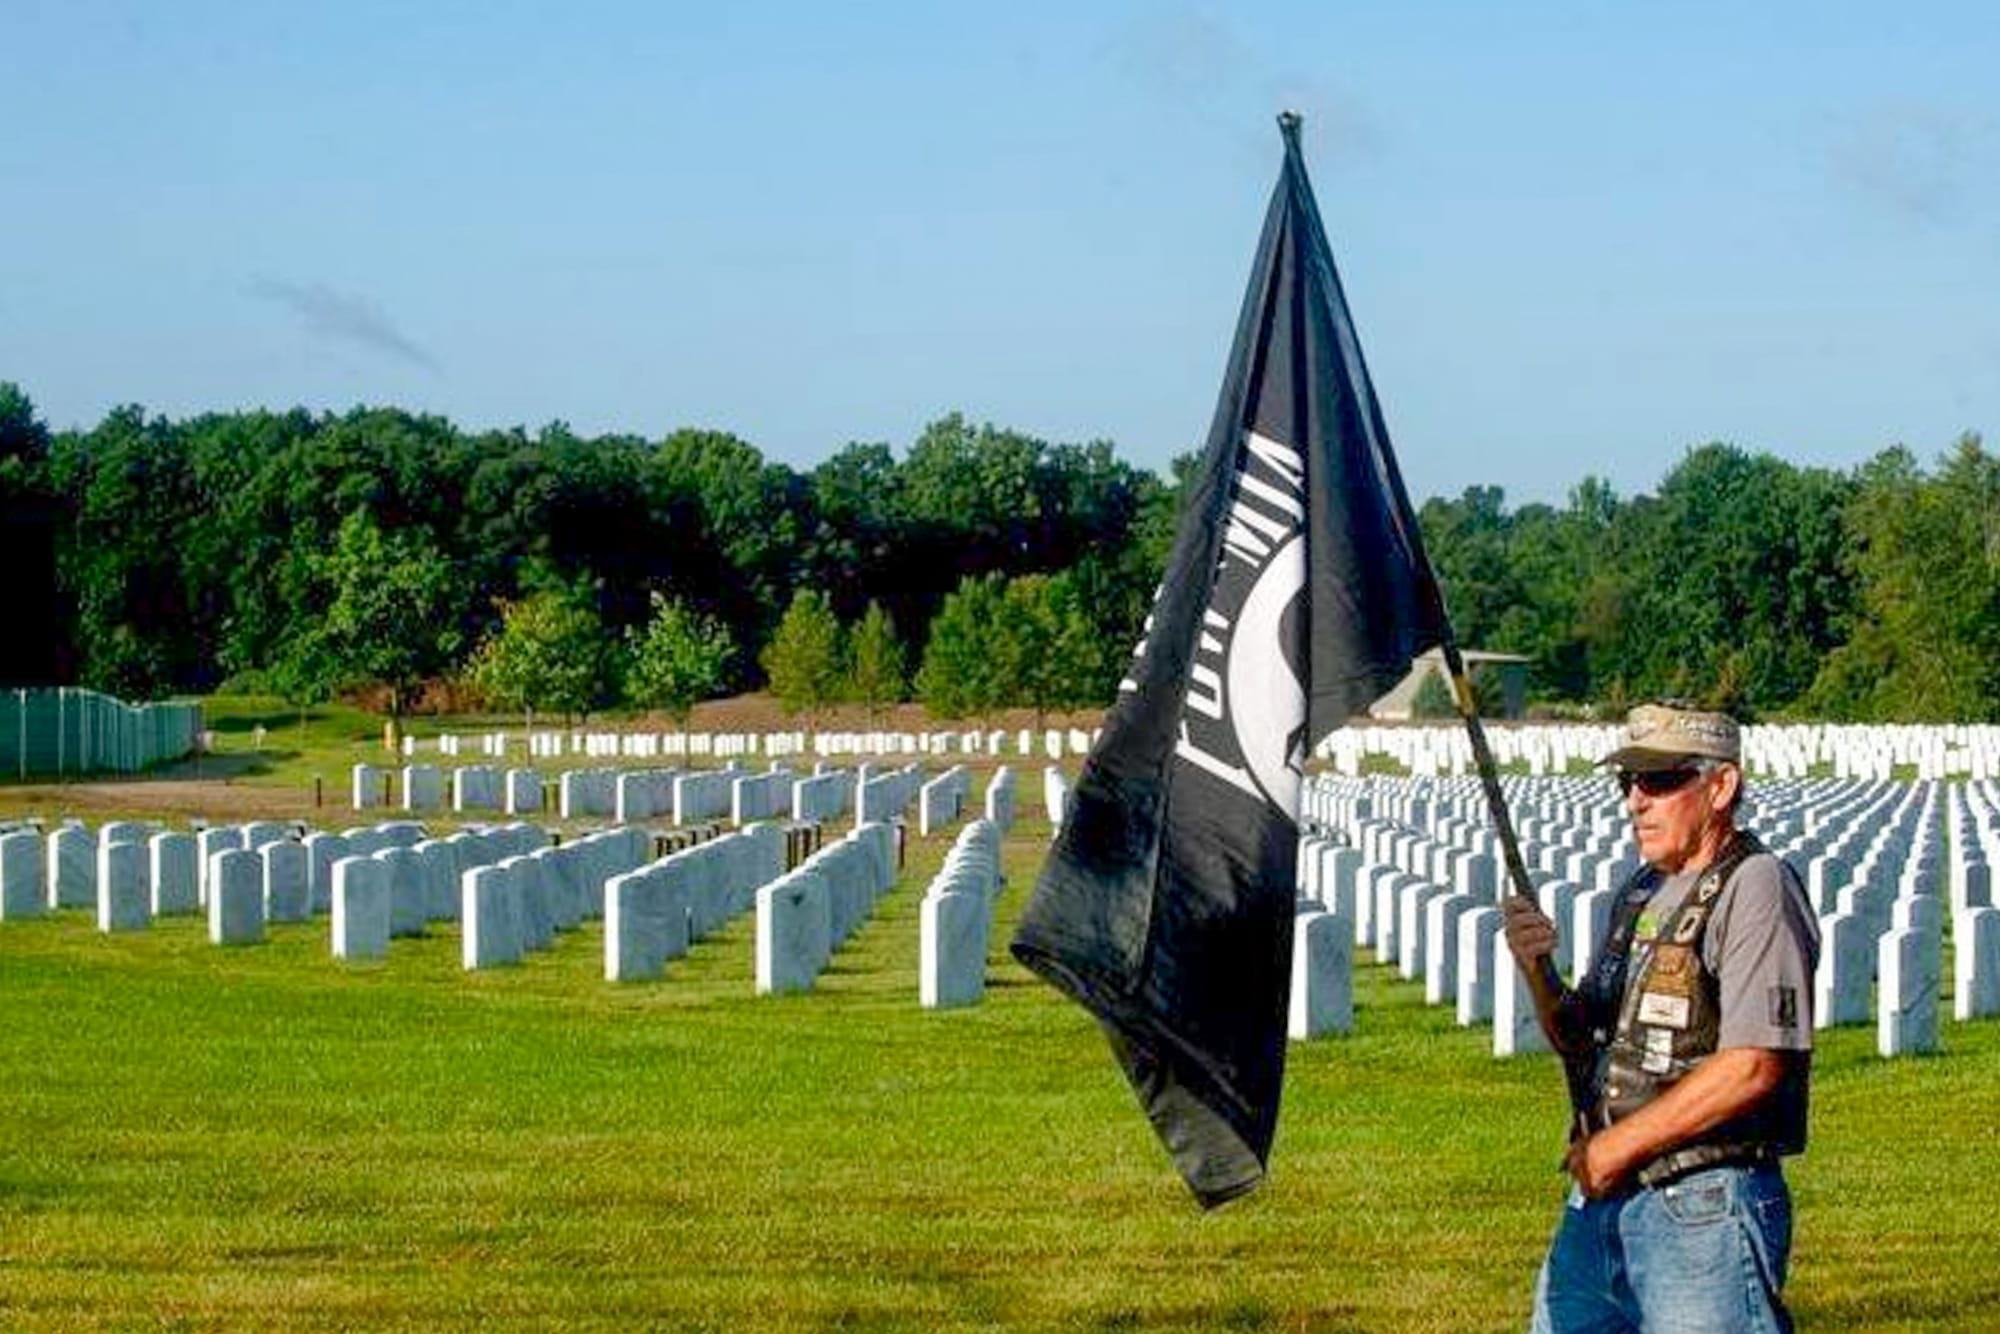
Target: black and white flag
(1296, 594)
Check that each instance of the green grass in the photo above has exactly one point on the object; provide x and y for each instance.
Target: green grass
(263, 1138)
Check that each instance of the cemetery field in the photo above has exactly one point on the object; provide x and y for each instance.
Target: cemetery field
(264, 1138)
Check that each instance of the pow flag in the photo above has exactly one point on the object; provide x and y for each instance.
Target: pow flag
(1296, 594)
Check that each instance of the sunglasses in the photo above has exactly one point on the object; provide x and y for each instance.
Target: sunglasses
(1657, 782)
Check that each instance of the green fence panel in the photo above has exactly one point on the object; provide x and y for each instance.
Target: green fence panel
(68, 730)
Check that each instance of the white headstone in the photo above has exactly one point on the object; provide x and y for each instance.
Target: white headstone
(124, 896)
(206, 844)
(1515, 1029)
(322, 851)
(645, 923)
(176, 874)
(1906, 1014)
(235, 897)
(1476, 932)
(23, 880)
(1442, 918)
(1976, 964)
(523, 792)
(441, 869)
(1846, 970)
(489, 917)
(1412, 946)
(409, 891)
(71, 863)
(1322, 999)
(951, 950)
(360, 908)
(794, 932)
(287, 884)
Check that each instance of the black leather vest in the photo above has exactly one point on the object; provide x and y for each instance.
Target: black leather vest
(1653, 1027)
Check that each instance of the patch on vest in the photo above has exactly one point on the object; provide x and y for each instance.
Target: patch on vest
(1784, 1007)
(1657, 1007)
(1673, 963)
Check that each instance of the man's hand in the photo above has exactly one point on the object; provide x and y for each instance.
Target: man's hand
(1530, 934)
(1595, 1165)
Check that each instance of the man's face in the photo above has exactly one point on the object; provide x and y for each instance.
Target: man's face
(1677, 812)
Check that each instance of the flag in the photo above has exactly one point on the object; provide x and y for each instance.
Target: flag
(1296, 594)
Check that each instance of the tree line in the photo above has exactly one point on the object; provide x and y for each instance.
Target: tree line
(311, 553)
(1863, 595)
(980, 569)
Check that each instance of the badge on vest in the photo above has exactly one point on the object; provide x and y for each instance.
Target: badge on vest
(1657, 1007)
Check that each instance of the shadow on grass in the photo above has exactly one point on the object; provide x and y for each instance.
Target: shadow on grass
(214, 768)
(205, 768)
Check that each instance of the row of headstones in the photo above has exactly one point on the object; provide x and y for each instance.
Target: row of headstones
(1770, 751)
(471, 787)
(1788, 750)
(655, 913)
(1055, 743)
(518, 904)
(128, 869)
(492, 743)
(941, 800)
(956, 919)
(377, 883)
(1415, 899)
(880, 798)
(807, 914)
(625, 796)
(1002, 798)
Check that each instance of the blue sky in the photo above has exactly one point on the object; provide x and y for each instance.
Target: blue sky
(1577, 237)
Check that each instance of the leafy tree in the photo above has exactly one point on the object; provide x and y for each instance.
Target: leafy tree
(960, 675)
(392, 615)
(1925, 641)
(678, 659)
(22, 433)
(551, 653)
(803, 659)
(1024, 646)
(875, 670)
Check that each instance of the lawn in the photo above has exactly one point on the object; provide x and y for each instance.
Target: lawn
(263, 1138)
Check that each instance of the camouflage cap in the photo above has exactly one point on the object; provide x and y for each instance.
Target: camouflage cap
(1657, 735)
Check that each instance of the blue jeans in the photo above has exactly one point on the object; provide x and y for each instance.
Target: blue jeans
(1702, 1255)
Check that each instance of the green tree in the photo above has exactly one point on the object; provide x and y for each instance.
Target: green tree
(1047, 652)
(803, 659)
(960, 675)
(1925, 550)
(550, 653)
(392, 616)
(678, 659)
(876, 675)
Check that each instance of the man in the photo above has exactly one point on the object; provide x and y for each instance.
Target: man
(1693, 1024)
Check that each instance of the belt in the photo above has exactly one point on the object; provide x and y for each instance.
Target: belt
(1674, 1164)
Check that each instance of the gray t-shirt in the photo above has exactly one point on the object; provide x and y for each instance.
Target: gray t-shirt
(1761, 944)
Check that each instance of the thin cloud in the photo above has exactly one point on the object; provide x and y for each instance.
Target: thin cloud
(343, 317)
(1919, 162)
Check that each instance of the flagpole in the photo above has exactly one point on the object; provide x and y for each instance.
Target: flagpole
(1543, 980)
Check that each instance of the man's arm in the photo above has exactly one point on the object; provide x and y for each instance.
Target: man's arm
(1725, 1086)
(1531, 938)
